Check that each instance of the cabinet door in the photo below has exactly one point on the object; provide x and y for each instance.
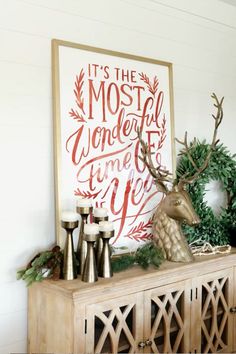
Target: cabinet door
(234, 314)
(212, 321)
(167, 318)
(115, 326)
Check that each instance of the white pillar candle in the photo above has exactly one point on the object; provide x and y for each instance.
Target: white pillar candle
(83, 202)
(69, 216)
(106, 226)
(91, 229)
(100, 212)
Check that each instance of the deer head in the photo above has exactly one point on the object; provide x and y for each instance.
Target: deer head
(177, 207)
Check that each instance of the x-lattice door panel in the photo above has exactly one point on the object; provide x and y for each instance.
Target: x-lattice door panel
(115, 326)
(167, 318)
(214, 323)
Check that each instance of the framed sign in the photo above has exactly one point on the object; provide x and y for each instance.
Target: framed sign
(100, 99)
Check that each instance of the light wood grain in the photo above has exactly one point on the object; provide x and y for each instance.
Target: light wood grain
(212, 323)
(142, 279)
(59, 312)
(176, 293)
(50, 321)
(234, 317)
(132, 334)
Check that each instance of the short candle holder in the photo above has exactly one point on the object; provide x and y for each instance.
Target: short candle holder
(90, 274)
(69, 264)
(99, 243)
(104, 268)
(84, 212)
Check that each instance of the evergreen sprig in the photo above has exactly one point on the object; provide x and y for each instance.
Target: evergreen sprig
(221, 167)
(146, 255)
(46, 264)
(122, 262)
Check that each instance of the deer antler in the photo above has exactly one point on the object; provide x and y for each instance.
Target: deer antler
(159, 174)
(187, 148)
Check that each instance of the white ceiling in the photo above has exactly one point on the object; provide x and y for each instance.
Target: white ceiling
(230, 2)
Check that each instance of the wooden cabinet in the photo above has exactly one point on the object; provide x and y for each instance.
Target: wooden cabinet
(114, 325)
(167, 318)
(212, 321)
(179, 308)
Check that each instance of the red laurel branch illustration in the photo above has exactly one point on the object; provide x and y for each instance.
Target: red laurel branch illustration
(152, 88)
(78, 91)
(139, 232)
(163, 134)
(87, 194)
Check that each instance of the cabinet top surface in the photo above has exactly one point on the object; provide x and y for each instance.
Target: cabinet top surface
(138, 279)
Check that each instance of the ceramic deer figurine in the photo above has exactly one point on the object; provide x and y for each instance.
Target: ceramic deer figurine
(176, 207)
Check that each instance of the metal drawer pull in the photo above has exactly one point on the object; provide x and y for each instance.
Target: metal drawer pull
(233, 310)
(148, 342)
(142, 345)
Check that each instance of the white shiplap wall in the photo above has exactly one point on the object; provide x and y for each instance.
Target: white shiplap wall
(197, 36)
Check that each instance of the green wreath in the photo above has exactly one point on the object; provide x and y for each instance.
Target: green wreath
(221, 167)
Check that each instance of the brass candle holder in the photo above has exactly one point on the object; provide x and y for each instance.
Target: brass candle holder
(90, 274)
(104, 268)
(69, 264)
(99, 243)
(84, 212)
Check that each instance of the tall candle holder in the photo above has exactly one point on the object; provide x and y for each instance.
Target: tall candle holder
(106, 232)
(100, 214)
(69, 264)
(91, 234)
(84, 212)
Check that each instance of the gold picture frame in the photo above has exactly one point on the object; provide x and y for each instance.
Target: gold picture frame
(100, 97)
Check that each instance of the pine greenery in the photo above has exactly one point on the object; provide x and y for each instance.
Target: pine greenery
(146, 255)
(45, 264)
